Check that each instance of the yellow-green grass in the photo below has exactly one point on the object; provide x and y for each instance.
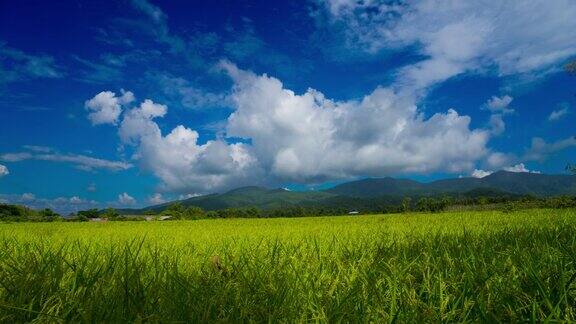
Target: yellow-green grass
(460, 266)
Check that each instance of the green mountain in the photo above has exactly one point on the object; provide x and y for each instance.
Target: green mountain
(507, 182)
(357, 194)
(251, 196)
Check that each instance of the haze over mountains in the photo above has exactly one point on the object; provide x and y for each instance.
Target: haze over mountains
(388, 189)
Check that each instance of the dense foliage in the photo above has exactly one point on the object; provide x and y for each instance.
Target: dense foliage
(15, 213)
(178, 211)
(375, 206)
(409, 268)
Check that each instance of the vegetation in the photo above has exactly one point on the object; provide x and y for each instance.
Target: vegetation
(375, 206)
(384, 195)
(449, 267)
(15, 213)
(178, 211)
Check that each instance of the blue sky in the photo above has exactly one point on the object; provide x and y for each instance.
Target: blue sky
(130, 103)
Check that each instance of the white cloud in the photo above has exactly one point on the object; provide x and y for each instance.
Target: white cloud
(520, 167)
(478, 173)
(16, 65)
(106, 107)
(82, 162)
(540, 149)
(188, 196)
(155, 13)
(3, 171)
(498, 160)
(303, 138)
(75, 200)
(179, 160)
(190, 96)
(28, 196)
(309, 138)
(126, 199)
(558, 114)
(511, 37)
(500, 104)
(156, 199)
(497, 124)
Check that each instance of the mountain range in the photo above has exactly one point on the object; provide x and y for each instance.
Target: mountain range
(384, 190)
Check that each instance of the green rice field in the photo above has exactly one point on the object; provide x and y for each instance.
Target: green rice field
(481, 266)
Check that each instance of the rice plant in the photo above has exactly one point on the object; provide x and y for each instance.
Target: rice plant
(451, 267)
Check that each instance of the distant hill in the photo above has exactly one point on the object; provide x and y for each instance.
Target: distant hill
(518, 183)
(249, 196)
(356, 194)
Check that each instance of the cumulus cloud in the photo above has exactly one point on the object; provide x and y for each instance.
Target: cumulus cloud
(540, 149)
(500, 105)
(308, 138)
(479, 173)
(189, 95)
(156, 199)
(497, 124)
(188, 196)
(82, 162)
(512, 37)
(28, 196)
(126, 199)
(179, 160)
(498, 160)
(302, 138)
(75, 200)
(558, 114)
(106, 107)
(520, 167)
(3, 171)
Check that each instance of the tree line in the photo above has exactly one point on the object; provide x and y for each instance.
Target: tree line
(17, 213)
(177, 211)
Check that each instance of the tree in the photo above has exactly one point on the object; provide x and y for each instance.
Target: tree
(111, 214)
(48, 215)
(90, 213)
(176, 210)
(193, 212)
(14, 212)
(406, 203)
(211, 214)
